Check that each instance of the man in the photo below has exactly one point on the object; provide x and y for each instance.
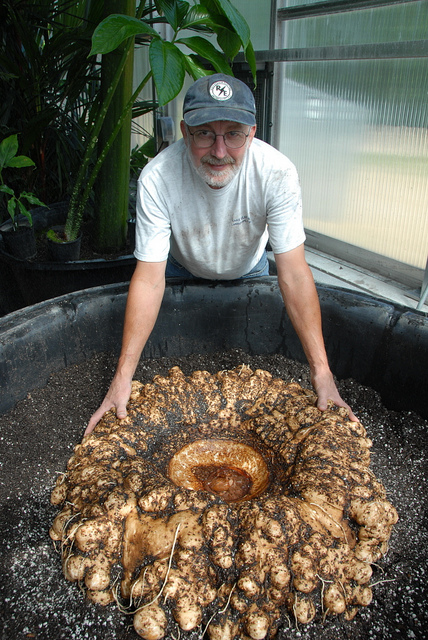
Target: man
(206, 207)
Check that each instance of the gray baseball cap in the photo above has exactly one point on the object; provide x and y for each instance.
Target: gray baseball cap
(219, 97)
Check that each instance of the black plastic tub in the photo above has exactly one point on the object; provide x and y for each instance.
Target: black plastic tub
(26, 282)
(33, 282)
(377, 343)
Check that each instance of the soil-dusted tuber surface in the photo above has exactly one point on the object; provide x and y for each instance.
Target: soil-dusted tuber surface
(228, 497)
(38, 437)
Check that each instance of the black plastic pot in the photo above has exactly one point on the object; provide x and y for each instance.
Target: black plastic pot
(378, 344)
(63, 251)
(19, 243)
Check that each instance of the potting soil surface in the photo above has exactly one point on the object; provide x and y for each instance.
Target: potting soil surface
(37, 439)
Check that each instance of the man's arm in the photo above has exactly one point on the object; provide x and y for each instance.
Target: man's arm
(300, 297)
(145, 295)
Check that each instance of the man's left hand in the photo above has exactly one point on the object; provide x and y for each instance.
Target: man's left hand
(326, 390)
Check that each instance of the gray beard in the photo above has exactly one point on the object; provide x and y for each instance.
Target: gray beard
(219, 179)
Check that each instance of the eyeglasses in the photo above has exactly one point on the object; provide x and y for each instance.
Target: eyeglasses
(232, 139)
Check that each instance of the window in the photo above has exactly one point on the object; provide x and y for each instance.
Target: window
(351, 114)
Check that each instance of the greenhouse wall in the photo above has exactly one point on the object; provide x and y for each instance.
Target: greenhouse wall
(351, 112)
(260, 19)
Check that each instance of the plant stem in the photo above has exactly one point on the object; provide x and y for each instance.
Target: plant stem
(75, 213)
(78, 204)
(112, 196)
(108, 144)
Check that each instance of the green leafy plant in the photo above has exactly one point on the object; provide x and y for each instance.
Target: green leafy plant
(48, 86)
(70, 101)
(15, 203)
(141, 155)
(168, 67)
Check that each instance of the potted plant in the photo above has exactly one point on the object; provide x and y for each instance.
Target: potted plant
(48, 85)
(17, 232)
(59, 248)
(104, 116)
(49, 90)
(168, 68)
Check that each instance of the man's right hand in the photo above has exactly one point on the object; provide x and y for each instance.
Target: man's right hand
(117, 398)
(145, 295)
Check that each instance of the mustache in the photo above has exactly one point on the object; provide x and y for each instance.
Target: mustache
(217, 161)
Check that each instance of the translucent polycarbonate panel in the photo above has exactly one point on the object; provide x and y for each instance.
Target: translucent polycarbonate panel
(395, 23)
(357, 132)
(257, 13)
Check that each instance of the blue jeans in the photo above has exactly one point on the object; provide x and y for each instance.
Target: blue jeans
(175, 270)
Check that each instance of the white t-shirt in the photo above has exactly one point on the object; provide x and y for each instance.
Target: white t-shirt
(218, 233)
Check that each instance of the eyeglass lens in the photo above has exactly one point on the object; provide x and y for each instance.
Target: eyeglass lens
(232, 139)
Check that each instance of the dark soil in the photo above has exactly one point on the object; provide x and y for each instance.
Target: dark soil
(38, 436)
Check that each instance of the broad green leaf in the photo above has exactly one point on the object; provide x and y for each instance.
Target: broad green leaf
(116, 28)
(251, 59)
(8, 190)
(207, 50)
(214, 24)
(148, 148)
(8, 149)
(20, 161)
(173, 10)
(195, 69)
(229, 42)
(197, 15)
(237, 21)
(31, 198)
(209, 4)
(169, 69)
(11, 207)
(25, 212)
(158, 6)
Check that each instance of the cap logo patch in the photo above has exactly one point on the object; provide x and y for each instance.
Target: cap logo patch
(221, 90)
